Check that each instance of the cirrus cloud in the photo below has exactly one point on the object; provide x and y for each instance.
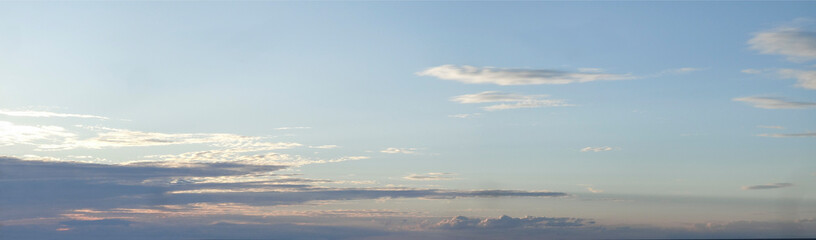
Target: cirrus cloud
(513, 76)
(509, 100)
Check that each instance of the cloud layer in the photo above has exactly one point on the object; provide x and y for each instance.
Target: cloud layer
(767, 186)
(510, 76)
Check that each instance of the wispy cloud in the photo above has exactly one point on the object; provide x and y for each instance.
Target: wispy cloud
(465, 115)
(682, 70)
(796, 43)
(804, 78)
(787, 135)
(767, 186)
(597, 149)
(774, 103)
(751, 71)
(509, 100)
(13, 134)
(27, 113)
(511, 76)
(771, 127)
(507, 222)
(325, 146)
(430, 176)
(393, 150)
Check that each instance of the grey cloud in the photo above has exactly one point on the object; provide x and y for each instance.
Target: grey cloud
(429, 176)
(510, 76)
(767, 186)
(505, 221)
(774, 103)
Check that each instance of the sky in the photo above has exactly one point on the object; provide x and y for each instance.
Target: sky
(407, 120)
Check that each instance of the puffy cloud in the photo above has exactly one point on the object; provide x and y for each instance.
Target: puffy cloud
(804, 78)
(774, 103)
(393, 150)
(767, 186)
(509, 76)
(505, 222)
(28, 113)
(787, 135)
(795, 43)
(509, 100)
(597, 149)
(429, 176)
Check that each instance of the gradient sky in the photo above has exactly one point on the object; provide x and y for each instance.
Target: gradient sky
(387, 120)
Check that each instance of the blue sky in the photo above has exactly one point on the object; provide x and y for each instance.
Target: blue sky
(408, 119)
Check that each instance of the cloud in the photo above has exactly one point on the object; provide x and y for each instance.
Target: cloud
(751, 71)
(429, 176)
(597, 149)
(465, 115)
(771, 127)
(392, 150)
(774, 103)
(767, 186)
(509, 100)
(12, 134)
(804, 79)
(795, 43)
(46, 114)
(592, 190)
(507, 222)
(787, 135)
(325, 146)
(683, 70)
(509, 76)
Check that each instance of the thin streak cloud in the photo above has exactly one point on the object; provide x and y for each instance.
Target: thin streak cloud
(509, 100)
(774, 103)
(512, 76)
(46, 114)
(768, 186)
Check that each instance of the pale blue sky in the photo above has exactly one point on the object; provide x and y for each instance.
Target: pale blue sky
(676, 120)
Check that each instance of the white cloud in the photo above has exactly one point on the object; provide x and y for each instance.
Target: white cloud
(774, 103)
(593, 190)
(465, 115)
(510, 76)
(767, 186)
(45, 114)
(787, 135)
(325, 146)
(772, 127)
(509, 100)
(597, 149)
(804, 79)
(751, 71)
(795, 43)
(392, 150)
(12, 134)
(430, 176)
(683, 70)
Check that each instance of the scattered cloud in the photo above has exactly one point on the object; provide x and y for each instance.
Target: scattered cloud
(393, 150)
(683, 70)
(771, 127)
(465, 115)
(593, 190)
(509, 100)
(774, 103)
(767, 186)
(13, 134)
(27, 113)
(787, 135)
(804, 78)
(507, 222)
(793, 42)
(510, 76)
(430, 176)
(751, 71)
(597, 149)
(325, 146)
